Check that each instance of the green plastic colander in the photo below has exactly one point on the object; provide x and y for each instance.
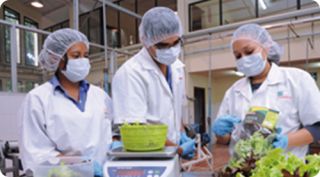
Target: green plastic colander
(139, 137)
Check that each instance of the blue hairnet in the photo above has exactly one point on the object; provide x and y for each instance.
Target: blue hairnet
(158, 24)
(261, 36)
(56, 45)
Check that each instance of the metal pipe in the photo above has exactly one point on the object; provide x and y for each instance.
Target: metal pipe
(14, 58)
(263, 20)
(133, 47)
(273, 26)
(121, 9)
(266, 26)
(47, 33)
(3, 22)
(289, 46)
(106, 78)
(112, 64)
(228, 46)
(209, 119)
(203, 34)
(75, 12)
(105, 33)
(122, 51)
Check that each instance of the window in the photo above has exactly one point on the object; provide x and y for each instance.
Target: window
(56, 27)
(8, 85)
(172, 4)
(65, 24)
(95, 28)
(204, 14)
(235, 11)
(84, 24)
(269, 7)
(128, 24)
(13, 17)
(29, 86)
(113, 27)
(91, 26)
(31, 43)
(144, 6)
(211, 13)
(21, 86)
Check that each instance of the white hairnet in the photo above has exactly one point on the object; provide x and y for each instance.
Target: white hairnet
(261, 36)
(157, 24)
(56, 45)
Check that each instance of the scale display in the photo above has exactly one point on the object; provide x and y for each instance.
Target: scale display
(146, 171)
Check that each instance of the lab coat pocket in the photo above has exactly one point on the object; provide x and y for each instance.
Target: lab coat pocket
(288, 112)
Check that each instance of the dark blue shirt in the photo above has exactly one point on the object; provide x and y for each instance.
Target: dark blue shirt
(255, 87)
(314, 131)
(169, 77)
(84, 87)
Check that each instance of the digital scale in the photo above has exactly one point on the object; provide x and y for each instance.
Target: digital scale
(164, 163)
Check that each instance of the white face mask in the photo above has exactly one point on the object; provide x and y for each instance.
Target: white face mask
(251, 65)
(168, 56)
(77, 69)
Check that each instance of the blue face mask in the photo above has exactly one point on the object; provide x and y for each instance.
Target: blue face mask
(251, 65)
(77, 69)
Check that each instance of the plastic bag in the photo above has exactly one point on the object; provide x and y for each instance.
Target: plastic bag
(257, 119)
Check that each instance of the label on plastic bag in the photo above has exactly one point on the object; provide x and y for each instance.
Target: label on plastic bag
(269, 117)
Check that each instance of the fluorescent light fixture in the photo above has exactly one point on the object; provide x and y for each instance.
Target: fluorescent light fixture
(262, 4)
(314, 65)
(239, 74)
(37, 4)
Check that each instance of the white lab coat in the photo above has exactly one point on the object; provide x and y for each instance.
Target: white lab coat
(290, 91)
(51, 124)
(140, 92)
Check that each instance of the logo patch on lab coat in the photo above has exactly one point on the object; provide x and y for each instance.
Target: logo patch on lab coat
(283, 95)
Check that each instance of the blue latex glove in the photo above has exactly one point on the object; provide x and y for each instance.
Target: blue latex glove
(184, 138)
(115, 145)
(97, 168)
(281, 141)
(188, 148)
(189, 156)
(224, 124)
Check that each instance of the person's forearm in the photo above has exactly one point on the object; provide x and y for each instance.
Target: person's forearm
(170, 143)
(299, 138)
(223, 139)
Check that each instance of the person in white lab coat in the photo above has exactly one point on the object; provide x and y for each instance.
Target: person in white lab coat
(291, 91)
(150, 87)
(65, 116)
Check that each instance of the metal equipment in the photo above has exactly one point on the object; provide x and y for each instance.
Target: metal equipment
(164, 163)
